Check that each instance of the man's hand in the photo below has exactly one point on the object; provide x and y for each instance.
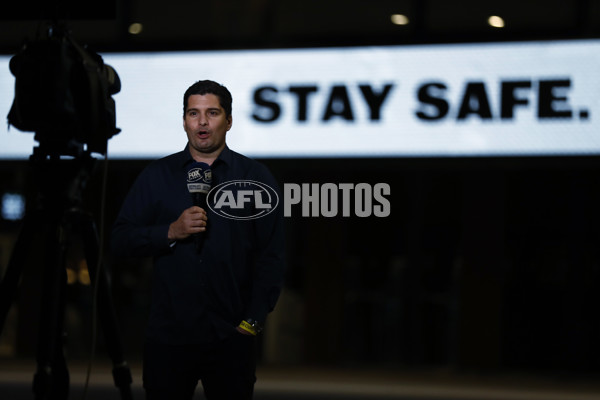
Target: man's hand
(191, 220)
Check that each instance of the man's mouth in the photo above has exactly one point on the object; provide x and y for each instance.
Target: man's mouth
(203, 134)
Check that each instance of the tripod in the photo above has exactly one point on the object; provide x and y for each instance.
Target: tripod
(60, 183)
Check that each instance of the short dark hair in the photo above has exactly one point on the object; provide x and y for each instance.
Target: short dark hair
(209, 87)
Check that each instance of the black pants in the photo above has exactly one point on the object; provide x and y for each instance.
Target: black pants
(226, 369)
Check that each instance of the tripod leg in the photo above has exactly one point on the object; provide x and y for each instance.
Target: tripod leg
(51, 380)
(106, 310)
(10, 282)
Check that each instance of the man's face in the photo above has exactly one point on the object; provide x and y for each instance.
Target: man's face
(206, 125)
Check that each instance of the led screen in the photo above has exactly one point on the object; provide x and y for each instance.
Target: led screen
(529, 98)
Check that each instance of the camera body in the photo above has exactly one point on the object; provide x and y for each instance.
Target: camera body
(63, 93)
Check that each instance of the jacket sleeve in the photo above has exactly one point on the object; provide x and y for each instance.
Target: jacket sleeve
(269, 264)
(135, 232)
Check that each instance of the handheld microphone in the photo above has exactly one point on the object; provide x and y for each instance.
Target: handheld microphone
(199, 180)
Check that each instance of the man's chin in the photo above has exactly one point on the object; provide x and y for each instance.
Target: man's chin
(207, 148)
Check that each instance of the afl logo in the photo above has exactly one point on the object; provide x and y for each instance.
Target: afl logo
(242, 199)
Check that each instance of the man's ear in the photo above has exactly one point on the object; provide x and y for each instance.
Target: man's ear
(230, 122)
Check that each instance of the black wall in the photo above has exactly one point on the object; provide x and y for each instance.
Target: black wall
(483, 263)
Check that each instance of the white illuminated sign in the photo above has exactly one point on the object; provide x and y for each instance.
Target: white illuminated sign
(533, 98)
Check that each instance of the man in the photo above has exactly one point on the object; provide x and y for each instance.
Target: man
(208, 301)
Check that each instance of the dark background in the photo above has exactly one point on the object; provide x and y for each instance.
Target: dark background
(487, 264)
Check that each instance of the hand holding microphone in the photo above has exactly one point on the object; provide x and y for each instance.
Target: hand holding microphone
(199, 180)
(192, 221)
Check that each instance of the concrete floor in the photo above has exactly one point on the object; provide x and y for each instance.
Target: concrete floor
(293, 383)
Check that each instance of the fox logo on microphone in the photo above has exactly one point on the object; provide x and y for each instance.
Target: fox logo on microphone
(199, 178)
(242, 199)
